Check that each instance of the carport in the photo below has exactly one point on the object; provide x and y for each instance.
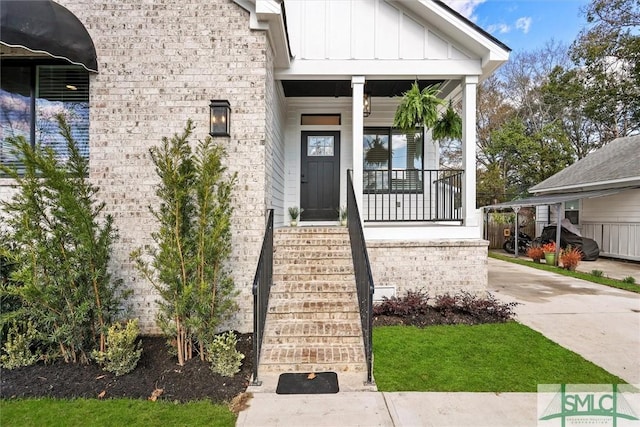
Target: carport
(547, 200)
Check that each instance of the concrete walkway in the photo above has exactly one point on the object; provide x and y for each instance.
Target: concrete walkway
(600, 323)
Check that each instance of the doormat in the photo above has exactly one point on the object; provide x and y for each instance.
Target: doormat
(308, 383)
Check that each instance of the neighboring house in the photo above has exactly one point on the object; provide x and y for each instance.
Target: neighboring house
(601, 196)
(129, 72)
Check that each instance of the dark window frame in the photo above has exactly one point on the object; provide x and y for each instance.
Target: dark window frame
(33, 64)
(390, 131)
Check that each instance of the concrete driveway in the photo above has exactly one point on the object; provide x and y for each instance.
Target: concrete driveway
(598, 322)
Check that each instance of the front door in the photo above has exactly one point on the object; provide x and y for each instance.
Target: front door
(320, 176)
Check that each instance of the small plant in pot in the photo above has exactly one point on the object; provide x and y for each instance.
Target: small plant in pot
(294, 213)
(549, 250)
(570, 258)
(343, 215)
(535, 253)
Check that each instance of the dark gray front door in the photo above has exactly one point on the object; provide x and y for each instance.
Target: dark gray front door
(320, 176)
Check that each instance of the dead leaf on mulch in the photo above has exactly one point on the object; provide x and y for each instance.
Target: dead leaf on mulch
(100, 377)
(102, 394)
(240, 402)
(156, 394)
(311, 376)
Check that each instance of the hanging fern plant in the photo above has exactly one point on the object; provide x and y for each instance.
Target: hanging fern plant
(418, 108)
(448, 126)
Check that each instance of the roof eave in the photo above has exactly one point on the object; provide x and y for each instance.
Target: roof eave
(580, 187)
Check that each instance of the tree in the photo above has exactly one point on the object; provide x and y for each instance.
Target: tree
(193, 242)
(608, 49)
(524, 158)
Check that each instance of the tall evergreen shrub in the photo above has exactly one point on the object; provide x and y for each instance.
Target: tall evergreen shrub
(192, 244)
(61, 249)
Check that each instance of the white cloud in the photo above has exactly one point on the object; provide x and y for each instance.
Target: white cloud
(524, 24)
(465, 7)
(498, 28)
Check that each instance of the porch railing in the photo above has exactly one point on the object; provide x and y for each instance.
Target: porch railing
(412, 195)
(261, 288)
(362, 269)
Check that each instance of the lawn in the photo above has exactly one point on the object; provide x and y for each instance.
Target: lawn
(502, 357)
(116, 412)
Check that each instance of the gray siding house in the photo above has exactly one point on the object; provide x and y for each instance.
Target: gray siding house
(606, 206)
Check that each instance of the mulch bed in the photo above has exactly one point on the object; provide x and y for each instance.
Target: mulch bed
(156, 370)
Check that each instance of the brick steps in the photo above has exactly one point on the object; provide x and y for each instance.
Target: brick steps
(313, 323)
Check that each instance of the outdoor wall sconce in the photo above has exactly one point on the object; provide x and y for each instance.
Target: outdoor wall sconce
(219, 113)
(366, 104)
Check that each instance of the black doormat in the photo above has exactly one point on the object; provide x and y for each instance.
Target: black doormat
(308, 383)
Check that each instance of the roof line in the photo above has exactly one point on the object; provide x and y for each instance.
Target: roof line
(472, 24)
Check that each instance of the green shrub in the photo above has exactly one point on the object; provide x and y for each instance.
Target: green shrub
(223, 356)
(597, 273)
(59, 250)
(629, 279)
(188, 263)
(122, 353)
(17, 347)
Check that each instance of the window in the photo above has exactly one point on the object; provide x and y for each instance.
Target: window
(572, 211)
(320, 119)
(31, 96)
(392, 160)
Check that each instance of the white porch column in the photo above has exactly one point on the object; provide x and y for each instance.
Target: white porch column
(357, 85)
(469, 91)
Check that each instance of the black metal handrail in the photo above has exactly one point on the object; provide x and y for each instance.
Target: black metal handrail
(362, 269)
(261, 288)
(412, 195)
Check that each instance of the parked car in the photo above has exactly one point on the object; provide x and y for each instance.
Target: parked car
(589, 247)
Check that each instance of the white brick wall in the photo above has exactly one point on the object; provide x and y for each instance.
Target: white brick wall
(437, 266)
(159, 64)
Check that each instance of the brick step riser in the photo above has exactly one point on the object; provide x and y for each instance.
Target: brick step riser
(314, 269)
(343, 315)
(315, 367)
(280, 354)
(313, 340)
(317, 229)
(317, 329)
(313, 278)
(308, 296)
(319, 288)
(311, 305)
(309, 262)
(312, 252)
(314, 239)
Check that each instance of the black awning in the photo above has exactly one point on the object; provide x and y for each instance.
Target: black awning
(47, 27)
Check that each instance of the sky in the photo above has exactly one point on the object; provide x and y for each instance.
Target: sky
(525, 25)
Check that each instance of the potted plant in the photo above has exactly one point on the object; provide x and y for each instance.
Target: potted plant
(535, 253)
(420, 108)
(343, 216)
(570, 258)
(294, 213)
(549, 250)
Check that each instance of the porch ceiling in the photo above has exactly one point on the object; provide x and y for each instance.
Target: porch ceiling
(339, 88)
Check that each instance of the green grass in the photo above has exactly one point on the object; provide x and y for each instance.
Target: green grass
(502, 357)
(115, 412)
(577, 274)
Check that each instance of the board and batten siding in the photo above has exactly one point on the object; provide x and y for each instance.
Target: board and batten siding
(614, 222)
(376, 30)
